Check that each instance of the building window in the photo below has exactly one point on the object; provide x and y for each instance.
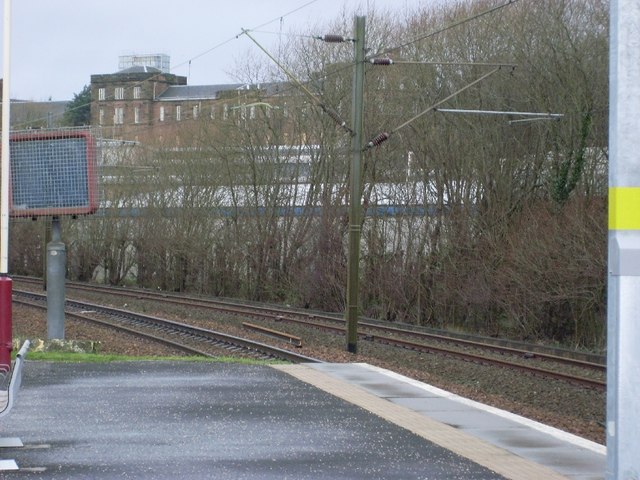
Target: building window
(136, 115)
(162, 114)
(137, 92)
(118, 117)
(119, 93)
(178, 113)
(101, 117)
(102, 94)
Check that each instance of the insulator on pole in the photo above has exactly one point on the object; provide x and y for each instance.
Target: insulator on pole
(335, 117)
(332, 38)
(381, 61)
(378, 139)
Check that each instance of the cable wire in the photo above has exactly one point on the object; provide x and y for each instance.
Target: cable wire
(384, 136)
(188, 61)
(332, 113)
(448, 27)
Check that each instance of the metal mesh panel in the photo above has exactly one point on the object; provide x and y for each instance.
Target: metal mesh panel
(53, 172)
(160, 61)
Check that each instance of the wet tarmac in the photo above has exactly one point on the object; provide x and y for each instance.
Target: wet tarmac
(157, 420)
(161, 420)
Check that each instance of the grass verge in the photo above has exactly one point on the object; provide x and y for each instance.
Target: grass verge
(70, 357)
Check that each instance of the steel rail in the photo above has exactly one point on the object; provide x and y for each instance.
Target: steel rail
(496, 348)
(279, 314)
(582, 381)
(176, 327)
(288, 315)
(236, 341)
(121, 328)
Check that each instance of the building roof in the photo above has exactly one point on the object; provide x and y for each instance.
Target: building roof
(199, 92)
(28, 114)
(140, 69)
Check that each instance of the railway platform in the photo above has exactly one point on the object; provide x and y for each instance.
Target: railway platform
(157, 420)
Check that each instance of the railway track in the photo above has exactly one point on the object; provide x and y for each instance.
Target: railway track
(512, 356)
(187, 338)
(370, 327)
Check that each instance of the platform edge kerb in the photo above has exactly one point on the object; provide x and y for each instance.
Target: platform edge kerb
(496, 459)
(541, 427)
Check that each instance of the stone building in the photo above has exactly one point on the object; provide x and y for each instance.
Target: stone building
(143, 102)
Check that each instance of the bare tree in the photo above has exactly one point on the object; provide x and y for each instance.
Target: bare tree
(470, 221)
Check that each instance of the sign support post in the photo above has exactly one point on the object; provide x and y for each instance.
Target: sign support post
(56, 267)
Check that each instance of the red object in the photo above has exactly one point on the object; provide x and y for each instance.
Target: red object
(6, 331)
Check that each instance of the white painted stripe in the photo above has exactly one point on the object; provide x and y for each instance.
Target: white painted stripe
(8, 466)
(541, 427)
(11, 442)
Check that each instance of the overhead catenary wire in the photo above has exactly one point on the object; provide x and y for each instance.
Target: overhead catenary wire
(245, 95)
(143, 127)
(314, 99)
(235, 37)
(386, 61)
(197, 56)
(384, 136)
(283, 34)
(279, 19)
(447, 27)
(383, 59)
(330, 112)
(535, 115)
(535, 119)
(338, 38)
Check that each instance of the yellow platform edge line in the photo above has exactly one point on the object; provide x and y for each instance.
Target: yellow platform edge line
(624, 208)
(483, 453)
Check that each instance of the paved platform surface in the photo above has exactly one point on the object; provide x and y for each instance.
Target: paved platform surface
(509, 444)
(157, 420)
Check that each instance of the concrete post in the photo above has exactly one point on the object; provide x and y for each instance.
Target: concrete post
(623, 333)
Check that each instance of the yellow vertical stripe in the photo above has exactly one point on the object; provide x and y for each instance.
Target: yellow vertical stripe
(624, 208)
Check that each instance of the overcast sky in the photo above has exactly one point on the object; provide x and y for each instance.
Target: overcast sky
(56, 45)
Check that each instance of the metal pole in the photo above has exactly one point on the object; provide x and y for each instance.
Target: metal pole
(56, 268)
(6, 286)
(623, 332)
(355, 211)
(6, 127)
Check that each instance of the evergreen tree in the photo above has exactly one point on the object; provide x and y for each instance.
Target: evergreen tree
(78, 111)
